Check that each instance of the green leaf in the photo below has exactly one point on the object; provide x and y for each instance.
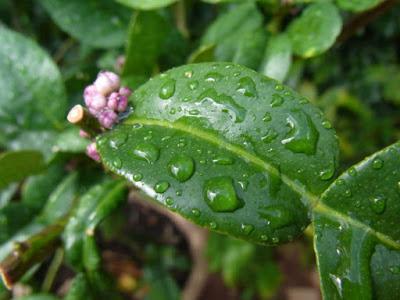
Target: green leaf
(6, 194)
(277, 57)
(94, 206)
(33, 101)
(146, 4)
(238, 36)
(316, 30)
(148, 32)
(98, 23)
(204, 53)
(356, 230)
(16, 165)
(357, 5)
(227, 148)
(38, 297)
(69, 141)
(80, 289)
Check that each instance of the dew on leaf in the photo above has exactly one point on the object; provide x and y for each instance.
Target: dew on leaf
(193, 85)
(302, 136)
(377, 163)
(181, 167)
(118, 140)
(243, 184)
(169, 201)
(246, 228)
(327, 173)
(220, 194)
(196, 212)
(147, 152)
(117, 162)
(267, 117)
(188, 74)
(213, 225)
(378, 204)
(279, 87)
(277, 100)
(223, 160)
(269, 136)
(264, 237)
(213, 77)
(247, 87)
(161, 187)
(137, 177)
(326, 124)
(352, 172)
(276, 216)
(167, 89)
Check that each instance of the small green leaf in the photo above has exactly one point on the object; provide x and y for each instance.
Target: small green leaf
(241, 153)
(316, 30)
(80, 289)
(357, 5)
(203, 54)
(17, 165)
(356, 230)
(277, 57)
(33, 101)
(146, 4)
(69, 141)
(98, 23)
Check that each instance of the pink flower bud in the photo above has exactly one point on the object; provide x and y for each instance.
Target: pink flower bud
(88, 94)
(122, 104)
(84, 134)
(98, 102)
(124, 91)
(91, 151)
(107, 82)
(113, 100)
(107, 118)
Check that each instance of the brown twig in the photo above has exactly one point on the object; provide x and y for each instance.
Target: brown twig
(363, 19)
(80, 116)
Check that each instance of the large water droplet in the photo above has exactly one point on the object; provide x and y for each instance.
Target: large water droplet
(220, 194)
(167, 89)
(247, 87)
(378, 204)
(302, 136)
(147, 152)
(118, 140)
(169, 201)
(181, 167)
(223, 160)
(117, 162)
(277, 100)
(377, 163)
(213, 77)
(276, 216)
(328, 173)
(161, 187)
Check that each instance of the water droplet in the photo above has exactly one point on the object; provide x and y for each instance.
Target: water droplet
(193, 85)
(303, 100)
(395, 269)
(220, 194)
(196, 212)
(279, 87)
(147, 152)
(236, 74)
(202, 161)
(277, 100)
(213, 225)
(347, 193)
(213, 77)
(169, 201)
(276, 216)
(328, 172)
(378, 204)
(178, 193)
(223, 160)
(161, 187)
(243, 184)
(194, 112)
(247, 87)
(398, 186)
(269, 136)
(326, 124)
(377, 163)
(172, 111)
(117, 162)
(340, 182)
(302, 136)
(137, 125)
(167, 89)
(189, 74)
(275, 240)
(137, 177)
(267, 117)
(352, 172)
(264, 237)
(118, 140)
(246, 228)
(181, 167)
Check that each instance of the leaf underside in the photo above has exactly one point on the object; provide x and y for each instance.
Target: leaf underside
(226, 147)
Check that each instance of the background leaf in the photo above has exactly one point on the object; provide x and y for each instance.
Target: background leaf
(315, 31)
(227, 140)
(146, 4)
(356, 232)
(357, 5)
(98, 23)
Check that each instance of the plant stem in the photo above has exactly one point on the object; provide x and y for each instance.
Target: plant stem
(53, 269)
(80, 116)
(27, 253)
(180, 18)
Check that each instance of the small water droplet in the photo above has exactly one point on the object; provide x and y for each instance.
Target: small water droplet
(269, 136)
(247, 87)
(137, 125)
(246, 228)
(326, 124)
(181, 167)
(167, 89)
(189, 74)
(137, 177)
(220, 194)
(395, 269)
(213, 77)
(169, 201)
(193, 85)
(377, 163)
(264, 237)
(328, 172)
(275, 240)
(161, 187)
(213, 225)
(223, 160)
(277, 100)
(340, 182)
(118, 140)
(172, 111)
(243, 184)
(276, 216)
(267, 117)
(378, 204)
(352, 172)
(147, 152)
(202, 161)
(196, 212)
(194, 112)
(303, 100)
(347, 193)
(117, 162)
(279, 87)
(178, 193)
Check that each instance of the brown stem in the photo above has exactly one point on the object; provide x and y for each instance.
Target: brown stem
(30, 252)
(363, 19)
(80, 116)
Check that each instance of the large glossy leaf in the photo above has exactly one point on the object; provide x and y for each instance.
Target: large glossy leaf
(33, 101)
(315, 31)
(147, 4)
(226, 147)
(98, 23)
(357, 233)
(357, 5)
(16, 165)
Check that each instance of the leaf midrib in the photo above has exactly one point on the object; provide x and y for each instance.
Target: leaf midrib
(313, 200)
